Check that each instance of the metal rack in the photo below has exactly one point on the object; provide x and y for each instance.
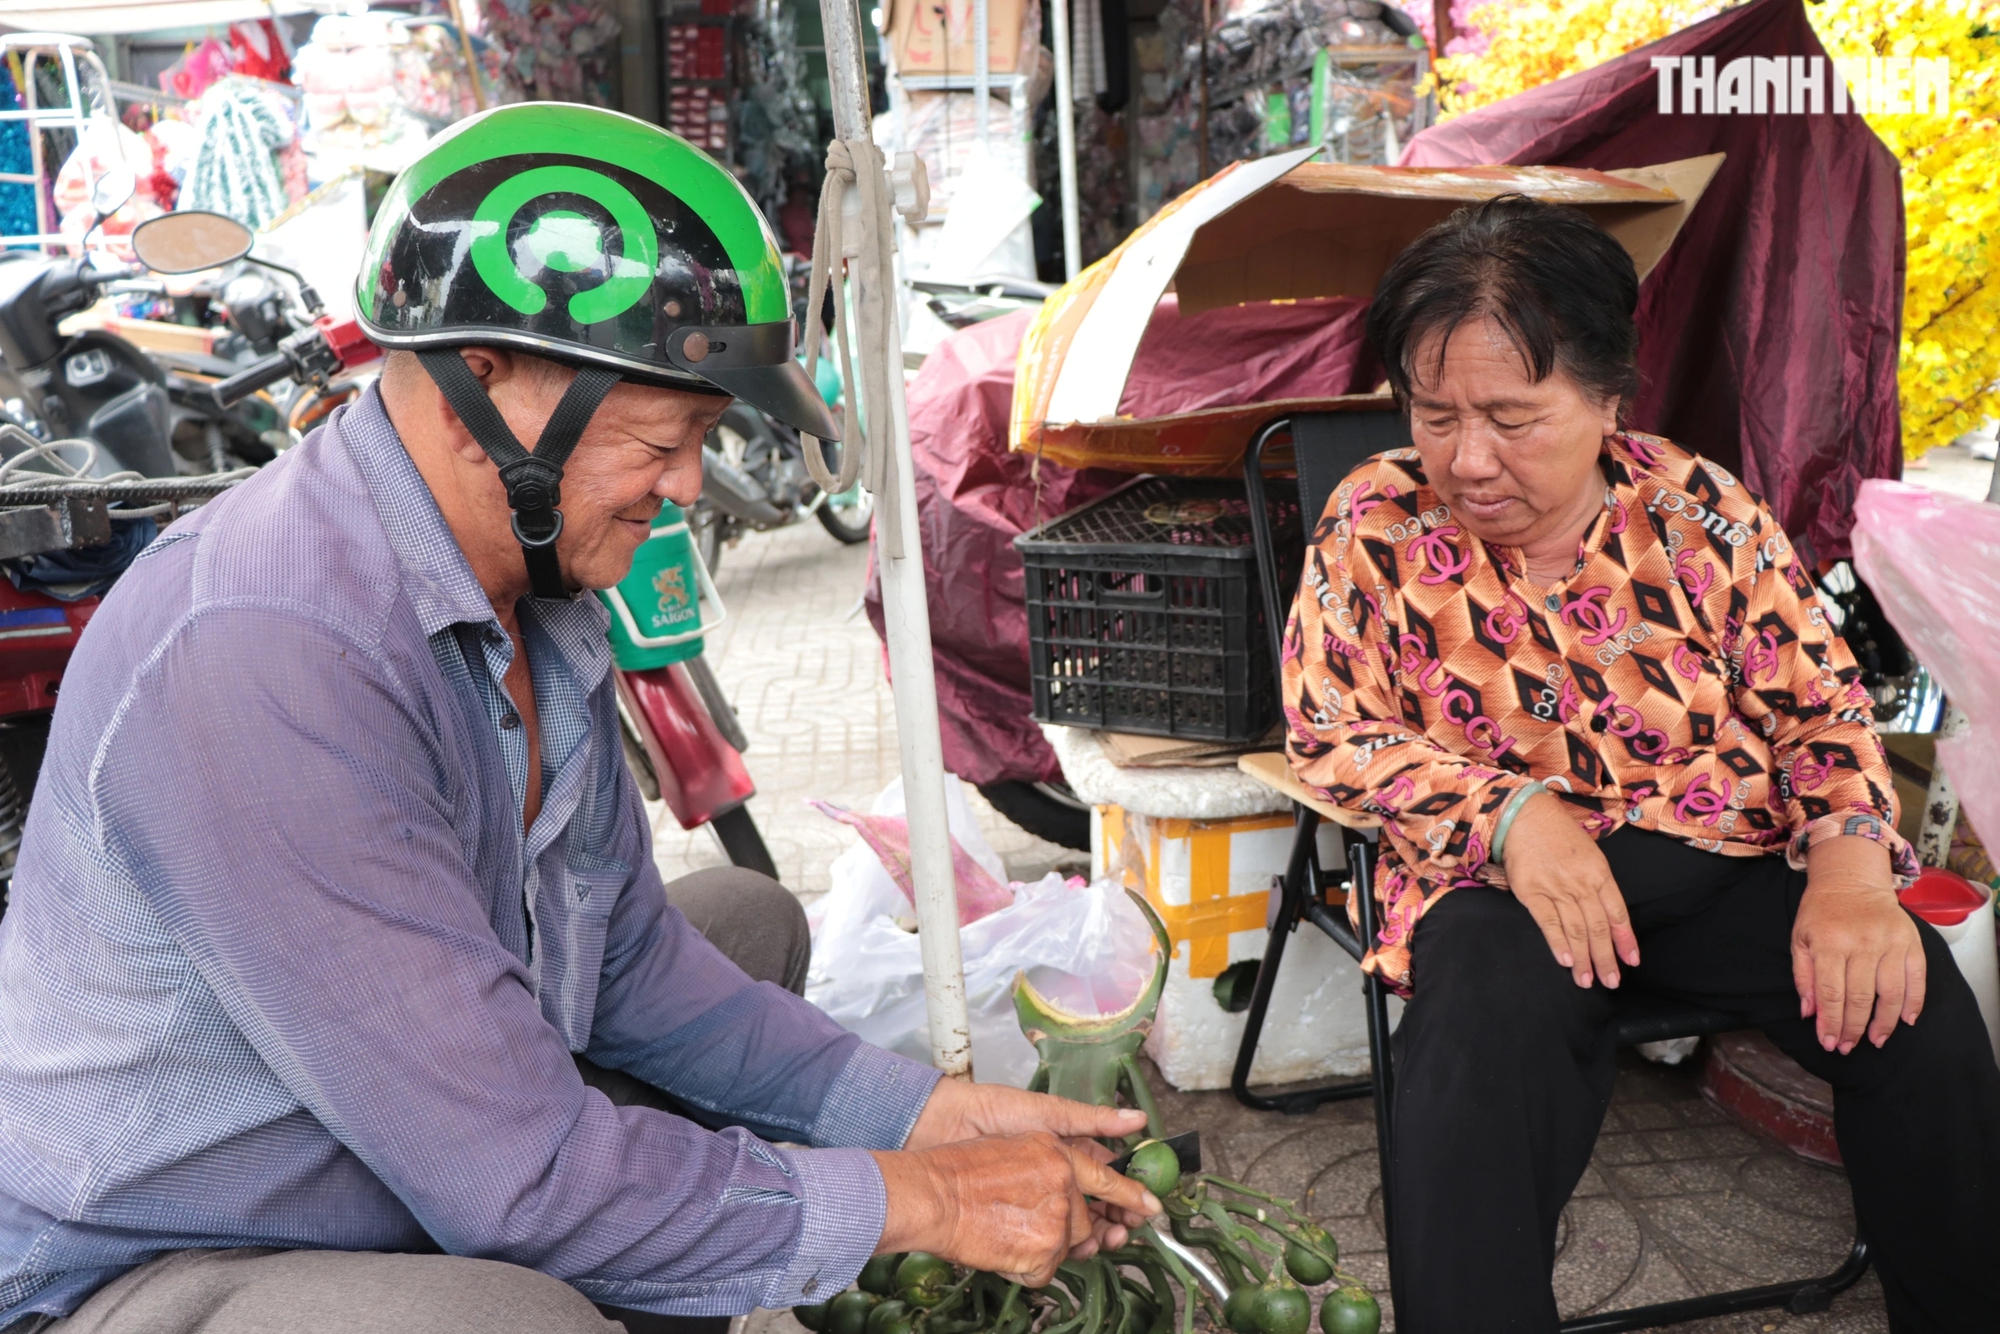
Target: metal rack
(69, 52)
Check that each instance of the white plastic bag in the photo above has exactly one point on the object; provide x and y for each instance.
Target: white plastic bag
(1934, 563)
(1084, 947)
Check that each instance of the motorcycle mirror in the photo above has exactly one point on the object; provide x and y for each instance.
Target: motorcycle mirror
(190, 241)
(113, 188)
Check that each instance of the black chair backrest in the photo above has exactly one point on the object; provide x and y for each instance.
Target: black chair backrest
(1326, 446)
(1330, 445)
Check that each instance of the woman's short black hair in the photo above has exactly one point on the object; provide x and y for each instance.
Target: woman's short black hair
(1560, 286)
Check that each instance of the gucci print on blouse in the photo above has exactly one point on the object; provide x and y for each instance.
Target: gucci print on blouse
(1683, 678)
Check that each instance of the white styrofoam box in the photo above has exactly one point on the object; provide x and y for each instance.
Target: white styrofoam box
(1210, 880)
(1973, 948)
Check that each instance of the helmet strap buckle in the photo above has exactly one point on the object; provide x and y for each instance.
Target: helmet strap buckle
(533, 481)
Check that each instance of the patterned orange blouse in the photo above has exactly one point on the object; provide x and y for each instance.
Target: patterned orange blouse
(1683, 679)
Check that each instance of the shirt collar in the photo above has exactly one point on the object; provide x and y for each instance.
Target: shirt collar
(440, 581)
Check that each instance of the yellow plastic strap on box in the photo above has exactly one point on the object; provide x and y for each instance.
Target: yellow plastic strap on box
(1212, 914)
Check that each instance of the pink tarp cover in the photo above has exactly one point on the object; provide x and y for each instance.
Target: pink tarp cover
(1769, 333)
(1770, 336)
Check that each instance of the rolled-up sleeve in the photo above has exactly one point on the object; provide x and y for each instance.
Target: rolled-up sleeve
(1798, 684)
(310, 869)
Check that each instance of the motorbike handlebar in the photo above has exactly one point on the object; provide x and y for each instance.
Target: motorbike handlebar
(104, 277)
(250, 379)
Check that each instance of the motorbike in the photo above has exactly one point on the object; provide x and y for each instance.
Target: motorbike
(753, 479)
(89, 429)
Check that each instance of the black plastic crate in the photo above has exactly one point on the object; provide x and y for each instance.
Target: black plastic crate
(1144, 615)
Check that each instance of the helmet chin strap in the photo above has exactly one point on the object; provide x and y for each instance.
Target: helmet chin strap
(533, 481)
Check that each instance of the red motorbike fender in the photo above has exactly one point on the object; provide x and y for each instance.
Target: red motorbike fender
(37, 635)
(701, 775)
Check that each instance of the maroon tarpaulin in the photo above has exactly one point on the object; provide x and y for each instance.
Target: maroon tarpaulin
(972, 498)
(1770, 332)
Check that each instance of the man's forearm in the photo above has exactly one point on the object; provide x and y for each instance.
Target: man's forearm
(922, 1213)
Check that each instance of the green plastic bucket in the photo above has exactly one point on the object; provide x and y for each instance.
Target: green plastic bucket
(657, 610)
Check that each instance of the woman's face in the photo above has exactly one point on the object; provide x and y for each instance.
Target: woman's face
(1515, 458)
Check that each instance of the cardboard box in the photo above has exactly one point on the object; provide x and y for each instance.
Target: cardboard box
(929, 38)
(1277, 229)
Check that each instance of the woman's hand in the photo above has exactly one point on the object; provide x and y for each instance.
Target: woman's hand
(1014, 1206)
(1854, 949)
(1557, 872)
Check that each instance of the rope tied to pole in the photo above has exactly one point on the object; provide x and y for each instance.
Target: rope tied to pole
(867, 401)
(829, 249)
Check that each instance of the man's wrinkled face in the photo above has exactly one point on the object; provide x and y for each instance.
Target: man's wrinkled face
(642, 447)
(1514, 458)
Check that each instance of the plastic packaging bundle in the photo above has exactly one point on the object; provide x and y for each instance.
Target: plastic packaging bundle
(1084, 947)
(558, 51)
(1264, 41)
(1934, 562)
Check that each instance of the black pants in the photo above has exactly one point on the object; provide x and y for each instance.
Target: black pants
(1504, 1069)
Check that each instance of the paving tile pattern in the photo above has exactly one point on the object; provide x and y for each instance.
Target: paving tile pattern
(1676, 1202)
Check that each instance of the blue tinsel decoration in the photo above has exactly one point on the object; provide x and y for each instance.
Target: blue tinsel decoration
(17, 202)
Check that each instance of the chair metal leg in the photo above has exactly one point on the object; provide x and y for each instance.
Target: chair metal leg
(1298, 894)
(1361, 864)
(1799, 1297)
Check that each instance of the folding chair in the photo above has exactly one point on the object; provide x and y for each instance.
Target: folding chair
(1325, 448)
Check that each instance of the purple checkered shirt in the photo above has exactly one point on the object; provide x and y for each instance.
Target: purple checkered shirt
(281, 969)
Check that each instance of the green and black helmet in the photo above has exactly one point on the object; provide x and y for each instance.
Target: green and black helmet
(591, 238)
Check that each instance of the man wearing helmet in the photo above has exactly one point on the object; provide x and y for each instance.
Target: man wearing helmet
(339, 991)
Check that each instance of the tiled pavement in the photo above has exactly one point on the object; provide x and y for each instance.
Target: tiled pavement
(1677, 1200)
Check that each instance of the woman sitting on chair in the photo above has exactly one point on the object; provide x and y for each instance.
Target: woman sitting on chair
(1582, 678)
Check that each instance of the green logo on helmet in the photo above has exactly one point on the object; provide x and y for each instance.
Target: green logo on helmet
(566, 242)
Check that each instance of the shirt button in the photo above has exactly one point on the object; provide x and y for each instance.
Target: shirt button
(1552, 602)
(510, 721)
(1599, 723)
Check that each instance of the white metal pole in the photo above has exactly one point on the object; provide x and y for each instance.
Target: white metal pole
(1066, 143)
(906, 615)
(982, 69)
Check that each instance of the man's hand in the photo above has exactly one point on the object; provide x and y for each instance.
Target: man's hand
(1854, 950)
(1012, 1205)
(960, 1110)
(1558, 873)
